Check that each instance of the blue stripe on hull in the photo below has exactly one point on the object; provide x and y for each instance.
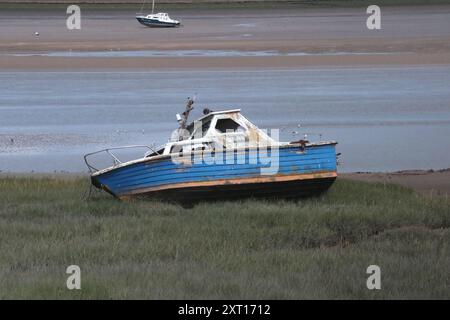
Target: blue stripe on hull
(165, 172)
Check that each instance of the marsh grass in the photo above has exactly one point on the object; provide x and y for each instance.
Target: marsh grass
(315, 248)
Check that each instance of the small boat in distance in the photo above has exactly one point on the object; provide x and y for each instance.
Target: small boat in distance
(222, 155)
(158, 20)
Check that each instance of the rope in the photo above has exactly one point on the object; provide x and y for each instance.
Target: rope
(142, 7)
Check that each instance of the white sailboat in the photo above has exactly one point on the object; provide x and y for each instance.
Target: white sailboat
(159, 20)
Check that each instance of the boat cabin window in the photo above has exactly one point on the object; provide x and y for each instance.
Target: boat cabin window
(224, 125)
(204, 128)
(179, 148)
(155, 153)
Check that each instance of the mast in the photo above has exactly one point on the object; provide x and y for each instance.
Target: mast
(143, 4)
(182, 119)
(185, 114)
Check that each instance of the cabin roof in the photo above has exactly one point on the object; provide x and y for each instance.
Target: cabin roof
(219, 112)
(210, 116)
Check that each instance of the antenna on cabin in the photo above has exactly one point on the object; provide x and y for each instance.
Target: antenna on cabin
(182, 119)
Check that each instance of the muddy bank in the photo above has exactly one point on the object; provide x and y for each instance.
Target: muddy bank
(427, 182)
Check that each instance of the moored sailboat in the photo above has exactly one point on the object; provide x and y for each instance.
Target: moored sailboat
(159, 20)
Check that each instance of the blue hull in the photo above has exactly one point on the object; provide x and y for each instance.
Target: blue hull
(301, 171)
(155, 23)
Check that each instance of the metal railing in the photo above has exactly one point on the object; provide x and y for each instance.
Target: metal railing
(116, 160)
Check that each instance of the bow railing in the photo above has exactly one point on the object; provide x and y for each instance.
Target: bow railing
(113, 156)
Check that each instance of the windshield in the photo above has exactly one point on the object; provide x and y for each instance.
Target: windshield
(200, 128)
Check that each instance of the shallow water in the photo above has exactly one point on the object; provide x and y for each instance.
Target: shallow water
(384, 119)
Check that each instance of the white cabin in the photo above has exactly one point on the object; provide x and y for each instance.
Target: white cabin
(219, 130)
(162, 17)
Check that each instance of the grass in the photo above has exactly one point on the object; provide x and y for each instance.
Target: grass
(316, 248)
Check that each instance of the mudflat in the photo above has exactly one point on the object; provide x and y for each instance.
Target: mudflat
(426, 182)
(305, 37)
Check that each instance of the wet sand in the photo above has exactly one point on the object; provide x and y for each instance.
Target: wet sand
(409, 36)
(177, 63)
(426, 182)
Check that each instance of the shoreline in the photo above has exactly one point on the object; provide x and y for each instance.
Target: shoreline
(425, 182)
(42, 63)
(220, 4)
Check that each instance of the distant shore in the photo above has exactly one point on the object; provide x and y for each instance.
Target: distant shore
(315, 36)
(226, 3)
(233, 3)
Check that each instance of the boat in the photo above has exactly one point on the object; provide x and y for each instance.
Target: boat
(159, 20)
(221, 155)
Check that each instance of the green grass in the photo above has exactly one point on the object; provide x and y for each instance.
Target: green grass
(316, 248)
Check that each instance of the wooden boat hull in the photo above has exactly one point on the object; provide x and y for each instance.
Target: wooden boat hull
(300, 188)
(302, 171)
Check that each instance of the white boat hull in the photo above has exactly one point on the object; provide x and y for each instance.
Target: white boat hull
(155, 23)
